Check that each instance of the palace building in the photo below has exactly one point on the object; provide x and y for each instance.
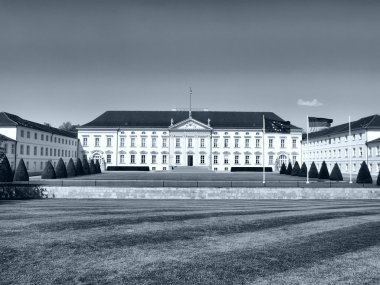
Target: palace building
(335, 145)
(163, 140)
(35, 143)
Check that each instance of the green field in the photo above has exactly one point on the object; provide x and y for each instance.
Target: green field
(189, 242)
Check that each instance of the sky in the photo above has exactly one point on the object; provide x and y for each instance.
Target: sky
(72, 60)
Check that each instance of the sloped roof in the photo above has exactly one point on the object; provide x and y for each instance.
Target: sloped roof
(370, 122)
(161, 119)
(375, 141)
(7, 119)
(5, 138)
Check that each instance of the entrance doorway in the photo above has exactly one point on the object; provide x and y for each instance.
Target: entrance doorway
(189, 160)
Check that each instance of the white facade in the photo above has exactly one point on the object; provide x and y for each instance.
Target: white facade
(189, 143)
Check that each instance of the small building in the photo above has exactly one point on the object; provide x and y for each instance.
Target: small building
(334, 145)
(35, 143)
(163, 140)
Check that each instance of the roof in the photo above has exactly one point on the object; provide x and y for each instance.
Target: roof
(161, 119)
(5, 138)
(370, 122)
(375, 141)
(7, 119)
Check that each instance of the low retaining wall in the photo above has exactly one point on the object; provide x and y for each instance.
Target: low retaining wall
(211, 193)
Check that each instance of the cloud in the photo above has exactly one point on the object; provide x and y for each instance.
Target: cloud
(312, 103)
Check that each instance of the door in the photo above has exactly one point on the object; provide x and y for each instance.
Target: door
(189, 160)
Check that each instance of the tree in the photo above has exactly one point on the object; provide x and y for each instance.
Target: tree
(283, 169)
(86, 167)
(289, 169)
(71, 171)
(5, 169)
(378, 179)
(49, 172)
(303, 170)
(336, 174)
(92, 167)
(21, 173)
(79, 167)
(296, 169)
(60, 169)
(97, 165)
(313, 172)
(323, 172)
(68, 126)
(364, 176)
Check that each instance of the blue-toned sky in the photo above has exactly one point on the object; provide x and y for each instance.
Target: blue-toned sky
(73, 60)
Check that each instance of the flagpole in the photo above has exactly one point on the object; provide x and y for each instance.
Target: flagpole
(350, 146)
(307, 150)
(263, 149)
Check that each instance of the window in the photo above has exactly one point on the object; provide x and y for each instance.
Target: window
(294, 143)
(122, 158)
(282, 143)
(294, 158)
(108, 158)
(360, 151)
(257, 143)
(236, 159)
(257, 159)
(22, 133)
(47, 138)
(27, 165)
(164, 142)
(108, 142)
(225, 142)
(143, 159)
(202, 159)
(360, 136)
(51, 152)
(271, 159)
(247, 159)
(164, 159)
(177, 159)
(202, 142)
(226, 160)
(378, 151)
(236, 142)
(154, 142)
(353, 152)
(28, 134)
(133, 142)
(59, 152)
(122, 142)
(178, 143)
(215, 142)
(353, 137)
(41, 165)
(339, 152)
(5, 148)
(190, 142)
(55, 139)
(84, 141)
(246, 143)
(27, 150)
(354, 167)
(143, 142)
(270, 143)
(59, 140)
(133, 159)
(154, 158)
(215, 159)
(96, 141)
(346, 152)
(12, 149)
(21, 149)
(35, 136)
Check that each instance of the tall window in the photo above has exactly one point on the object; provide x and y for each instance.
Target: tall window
(96, 141)
(294, 143)
(225, 142)
(190, 142)
(246, 143)
(122, 158)
(282, 143)
(257, 159)
(133, 142)
(35, 136)
(164, 159)
(236, 159)
(177, 159)
(28, 134)
(360, 151)
(142, 158)
(202, 142)
(270, 143)
(236, 142)
(353, 152)
(247, 159)
(215, 159)
(27, 150)
(294, 158)
(202, 159)
(22, 133)
(108, 141)
(108, 158)
(84, 141)
(21, 149)
(164, 142)
(225, 160)
(154, 142)
(42, 137)
(215, 142)
(143, 142)
(133, 159)
(178, 143)
(257, 143)
(271, 159)
(122, 142)
(154, 158)
(42, 151)
(12, 149)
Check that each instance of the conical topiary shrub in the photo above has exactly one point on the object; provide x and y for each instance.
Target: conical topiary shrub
(378, 179)
(364, 176)
(49, 172)
(303, 170)
(289, 169)
(86, 167)
(313, 172)
(79, 167)
(336, 174)
(296, 169)
(71, 172)
(92, 167)
(60, 169)
(323, 172)
(98, 169)
(283, 169)
(21, 173)
(5, 170)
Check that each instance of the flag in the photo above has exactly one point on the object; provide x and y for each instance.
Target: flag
(277, 126)
(319, 122)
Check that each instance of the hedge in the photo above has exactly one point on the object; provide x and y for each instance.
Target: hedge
(60, 169)
(49, 172)
(283, 169)
(289, 169)
(97, 165)
(323, 172)
(10, 192)
(364, 176)
(79, 167)
(296, 169)
(378, 179)
(71, 171)
(5, 170)
(86, 167)
(336, 174)
(92, 167)
(21, 173)
(313, 172)
(303, 170)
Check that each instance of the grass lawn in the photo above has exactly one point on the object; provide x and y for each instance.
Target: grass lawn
(189, 242)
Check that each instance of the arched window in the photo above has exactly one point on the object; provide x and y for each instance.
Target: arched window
(283, 159)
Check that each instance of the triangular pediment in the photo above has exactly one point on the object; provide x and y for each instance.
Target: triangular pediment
(190, 124)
